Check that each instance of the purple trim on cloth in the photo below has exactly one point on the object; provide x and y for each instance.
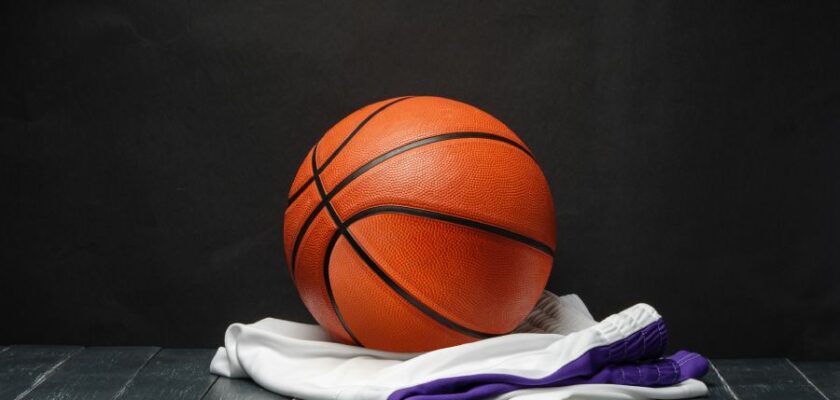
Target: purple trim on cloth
(662, 372)
(634, 360)
(691, 365)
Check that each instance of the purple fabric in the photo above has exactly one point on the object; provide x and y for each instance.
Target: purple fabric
(634, 360)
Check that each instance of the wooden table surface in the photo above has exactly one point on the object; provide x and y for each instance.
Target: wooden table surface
(90, 373)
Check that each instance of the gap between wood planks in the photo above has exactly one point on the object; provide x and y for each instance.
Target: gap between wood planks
(723, 381)
(807, 379)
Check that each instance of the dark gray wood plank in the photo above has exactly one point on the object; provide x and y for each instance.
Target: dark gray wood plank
(239, 389)
(825, 375)
(24, 367)
(766, 379)
(173, 374)
(94, 373)
(718, 388)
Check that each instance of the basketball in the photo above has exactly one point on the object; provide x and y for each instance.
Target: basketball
(417, 223)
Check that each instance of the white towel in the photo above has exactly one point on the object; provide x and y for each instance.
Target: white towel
(559, 352)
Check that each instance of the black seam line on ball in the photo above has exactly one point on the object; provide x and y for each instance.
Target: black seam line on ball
(378, 160)
(328, 286)
(343, 143)
(340, 230)
(360, 251)
(536, 244)
(420, 143)
(301, 232)
(319, 170)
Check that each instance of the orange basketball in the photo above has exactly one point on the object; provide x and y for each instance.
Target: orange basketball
(418, 223)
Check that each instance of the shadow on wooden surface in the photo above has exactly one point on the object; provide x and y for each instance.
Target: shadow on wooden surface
(173, 374)
(239, 389)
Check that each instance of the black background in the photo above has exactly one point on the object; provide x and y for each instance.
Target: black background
(693, 150)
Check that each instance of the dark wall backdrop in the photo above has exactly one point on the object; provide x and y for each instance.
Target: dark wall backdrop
(693, 150)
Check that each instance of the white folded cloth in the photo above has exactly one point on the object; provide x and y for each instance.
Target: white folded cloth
(558, 352)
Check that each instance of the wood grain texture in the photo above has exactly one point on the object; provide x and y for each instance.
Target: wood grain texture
(94, 373)
(24, 367)
(766, 379)
(173, 374)
(239, 389)
(825, 375)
